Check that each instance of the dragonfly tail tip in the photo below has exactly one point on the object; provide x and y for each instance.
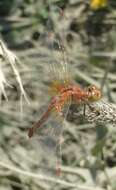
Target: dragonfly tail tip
(30, 132)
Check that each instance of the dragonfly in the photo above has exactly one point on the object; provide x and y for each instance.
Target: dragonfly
(48, 130)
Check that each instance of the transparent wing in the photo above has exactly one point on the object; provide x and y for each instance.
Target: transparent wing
(46, 142)
(59, 67)
(54, 40)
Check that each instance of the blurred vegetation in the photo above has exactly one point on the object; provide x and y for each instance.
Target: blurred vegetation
(89, 150)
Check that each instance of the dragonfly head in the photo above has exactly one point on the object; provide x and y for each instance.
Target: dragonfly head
(93, 93)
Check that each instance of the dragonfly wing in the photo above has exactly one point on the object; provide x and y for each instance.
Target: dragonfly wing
(46, 142)
(59, 66)
(54, 41)
(47, 138)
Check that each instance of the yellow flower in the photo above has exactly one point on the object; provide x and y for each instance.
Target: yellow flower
(97, 4)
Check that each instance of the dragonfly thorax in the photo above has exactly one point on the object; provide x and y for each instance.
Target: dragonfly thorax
(70, 93)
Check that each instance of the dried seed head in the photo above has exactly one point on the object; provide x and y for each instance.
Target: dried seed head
(101, 112)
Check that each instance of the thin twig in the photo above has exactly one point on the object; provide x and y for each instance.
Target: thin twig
(46, 178)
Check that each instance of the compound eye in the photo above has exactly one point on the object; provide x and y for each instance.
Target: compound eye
(90, 89)
(98, 94)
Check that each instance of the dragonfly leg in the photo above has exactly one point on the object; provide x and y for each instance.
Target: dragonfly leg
(97, 111)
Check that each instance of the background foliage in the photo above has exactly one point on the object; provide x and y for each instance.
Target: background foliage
(89, 150)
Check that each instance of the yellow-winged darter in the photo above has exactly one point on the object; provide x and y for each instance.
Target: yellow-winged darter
(47, 131)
